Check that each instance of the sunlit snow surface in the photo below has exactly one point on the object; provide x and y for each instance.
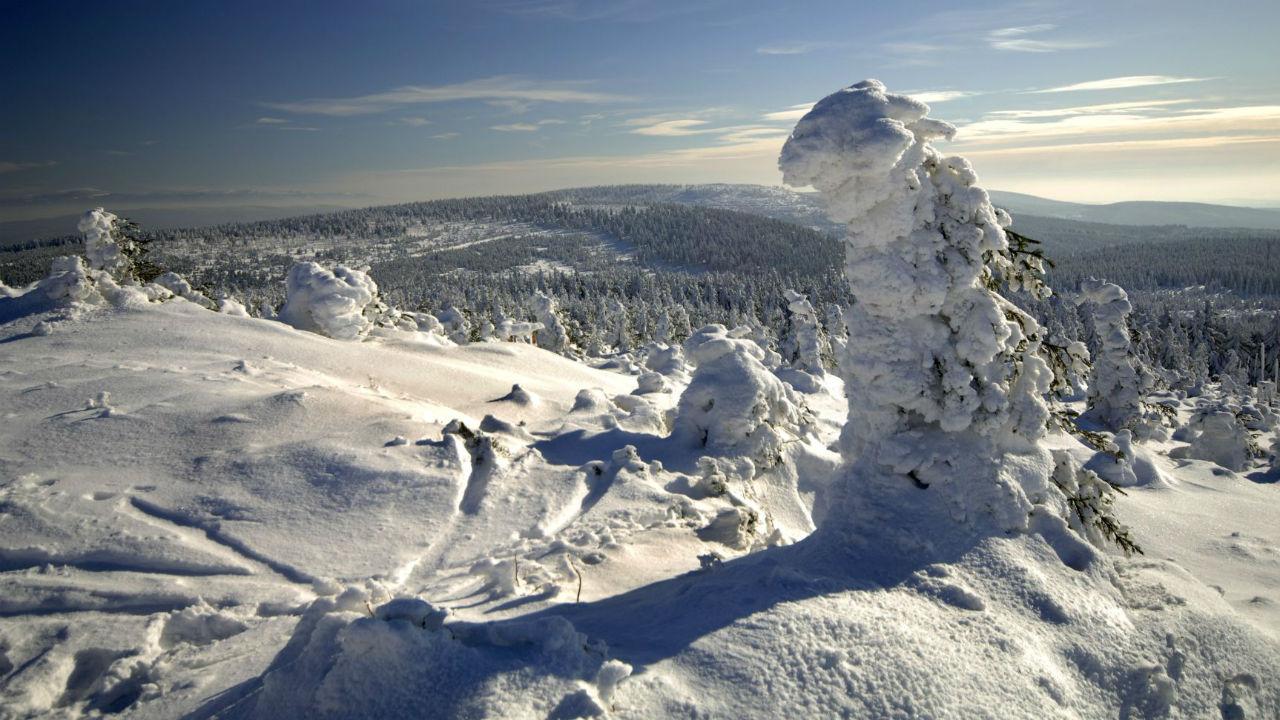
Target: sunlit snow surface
(214, 536)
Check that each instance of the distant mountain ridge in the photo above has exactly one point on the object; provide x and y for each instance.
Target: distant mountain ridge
(1143, 212)
(770, 201)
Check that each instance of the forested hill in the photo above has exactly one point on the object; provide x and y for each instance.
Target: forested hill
(704, 228)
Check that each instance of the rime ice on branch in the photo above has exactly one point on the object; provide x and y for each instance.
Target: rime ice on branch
(932, 343)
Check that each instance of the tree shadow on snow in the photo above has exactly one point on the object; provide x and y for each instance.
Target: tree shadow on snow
(579, 447)
(658, 621)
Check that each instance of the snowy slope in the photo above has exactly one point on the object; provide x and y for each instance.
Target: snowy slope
(204, 514)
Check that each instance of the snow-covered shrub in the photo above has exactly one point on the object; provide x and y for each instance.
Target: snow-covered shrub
(511, 330)
(945, 377)
(1115, 393)
(176, 284)
(666, 360)
(455, 324)
(553, 336)
(802, 348)
(733, 404)
(331, 303)
(1216, 435)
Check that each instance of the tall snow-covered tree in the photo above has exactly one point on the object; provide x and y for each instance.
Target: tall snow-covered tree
(802, 348)
(945, 377)
(553, 335)
(1115, 393)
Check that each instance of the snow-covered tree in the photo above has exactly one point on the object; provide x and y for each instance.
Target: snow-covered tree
(553, 335)
(837, 336)
(100, 246)
(802, 348)
(1115, 393)
(619, 327)
(945, 377)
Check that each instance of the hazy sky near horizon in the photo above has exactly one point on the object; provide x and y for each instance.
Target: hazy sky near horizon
(141, 104)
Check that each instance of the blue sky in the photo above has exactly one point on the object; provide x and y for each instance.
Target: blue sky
(172, 103)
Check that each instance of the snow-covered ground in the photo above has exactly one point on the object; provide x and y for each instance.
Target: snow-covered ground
(217, 534)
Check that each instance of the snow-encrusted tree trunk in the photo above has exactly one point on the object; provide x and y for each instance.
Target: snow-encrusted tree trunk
(945, 377)
(1115, 393)
(802, 348)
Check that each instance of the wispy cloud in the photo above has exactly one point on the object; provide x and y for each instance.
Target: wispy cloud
(796, 48)
(8, 166)
(670, 128)
(1116, 83)
(1182, 143)
(276, 123)
(913, 53)
(490, 89)
(526, 126)
(414, 121)
(795, 112)
(939, 96)
(192, 195)
(445, 136)
(1122, 121)
(1016, 39)
(1104, 108)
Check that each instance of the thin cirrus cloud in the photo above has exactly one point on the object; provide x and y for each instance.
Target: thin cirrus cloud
(527, 126)
(1121, 121)
(1117, 83)
(276, 123)
(8, 166)
(669, 128)
(500, 88)
(1019, 39)
(798, 48)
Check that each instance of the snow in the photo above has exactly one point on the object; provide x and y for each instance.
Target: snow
(239, 539)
